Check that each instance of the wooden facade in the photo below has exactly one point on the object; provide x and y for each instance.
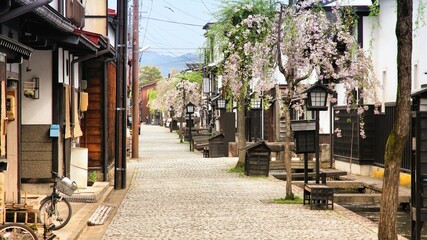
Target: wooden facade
(145, 110)
(98, 124)
(111, 113)
(92, 124)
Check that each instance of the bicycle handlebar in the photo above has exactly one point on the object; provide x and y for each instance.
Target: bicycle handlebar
(56, 174)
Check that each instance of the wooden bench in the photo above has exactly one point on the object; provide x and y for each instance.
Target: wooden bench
(318, 195)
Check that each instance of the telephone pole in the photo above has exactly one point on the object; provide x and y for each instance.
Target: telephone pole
(121, 90)
(135, 80)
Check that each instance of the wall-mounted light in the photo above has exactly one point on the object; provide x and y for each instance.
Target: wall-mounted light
(11, 81)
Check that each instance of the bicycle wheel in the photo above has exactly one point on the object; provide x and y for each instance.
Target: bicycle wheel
(57, 212)
(16, 231)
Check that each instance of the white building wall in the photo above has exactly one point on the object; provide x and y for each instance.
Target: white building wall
(38, 111)
(384, 49)
(419, 51)
(111, 35)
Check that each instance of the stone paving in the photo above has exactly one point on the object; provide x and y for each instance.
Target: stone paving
(178, 194)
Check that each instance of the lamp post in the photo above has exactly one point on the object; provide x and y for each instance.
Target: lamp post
(190, 110)
(316, 101)
(171, 113)
(256, 106)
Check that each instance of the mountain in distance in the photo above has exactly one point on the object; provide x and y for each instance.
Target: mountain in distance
(167, 62)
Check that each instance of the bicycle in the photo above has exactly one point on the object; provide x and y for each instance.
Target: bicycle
(55, 207)
(17, 231)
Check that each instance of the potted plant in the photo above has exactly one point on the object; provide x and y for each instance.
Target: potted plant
(91, 179)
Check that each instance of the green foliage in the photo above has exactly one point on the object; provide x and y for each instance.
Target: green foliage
(229, 28)
(152, 94)
(239, 37)
(195, 77)
(296, 200)
(92, 176)
(375, 9)
(350, 17)
(33, 227)
(236, 170)
(420, 21)
(149, 74)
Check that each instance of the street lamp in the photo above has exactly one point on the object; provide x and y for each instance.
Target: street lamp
(256, 119)
(317, 96)
(190, 110)
(256, 104)
(171, 114)
(316, 100)
(221, 104)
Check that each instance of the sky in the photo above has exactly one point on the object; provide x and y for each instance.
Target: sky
(173, 27)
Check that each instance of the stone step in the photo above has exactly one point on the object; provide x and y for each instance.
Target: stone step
(100, 215)
(374, 198)
(279, 165)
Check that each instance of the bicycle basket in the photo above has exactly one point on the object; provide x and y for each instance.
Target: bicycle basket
(66, 186)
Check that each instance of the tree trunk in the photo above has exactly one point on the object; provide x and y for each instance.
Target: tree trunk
(287, 155)
(400, 132)
(241, 136)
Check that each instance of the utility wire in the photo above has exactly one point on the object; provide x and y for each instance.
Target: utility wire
(186, 13)
(206, 7)
(175, 55)
(170, 34)
(160, 20)
(175, 48)
(186, 27)
(146, 26)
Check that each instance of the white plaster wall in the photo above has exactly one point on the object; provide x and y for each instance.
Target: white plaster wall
(419, 52)
(38, 111)
(384, 50)
(111, 35)
(363, 170)
(55, 4)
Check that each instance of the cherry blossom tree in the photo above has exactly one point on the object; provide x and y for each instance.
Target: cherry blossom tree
(304, 43)
(175, 92)
(311, 45)
(241, 34)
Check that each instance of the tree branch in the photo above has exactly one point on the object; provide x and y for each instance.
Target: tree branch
(279, 40)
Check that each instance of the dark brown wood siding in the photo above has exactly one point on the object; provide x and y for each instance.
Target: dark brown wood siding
(111, 113)
(92, 123)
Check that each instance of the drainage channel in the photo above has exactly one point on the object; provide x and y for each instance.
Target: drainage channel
(372, 212)
(365, 201)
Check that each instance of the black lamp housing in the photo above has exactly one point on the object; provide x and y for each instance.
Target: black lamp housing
(317, 96)
(190, 107)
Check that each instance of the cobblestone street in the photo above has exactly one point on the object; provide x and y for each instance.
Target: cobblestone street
(178, 194)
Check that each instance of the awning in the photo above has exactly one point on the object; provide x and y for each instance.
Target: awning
(51, 16)
(14, 47)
